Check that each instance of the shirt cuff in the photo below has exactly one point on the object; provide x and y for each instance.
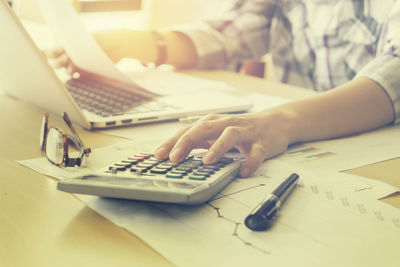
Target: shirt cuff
(385, 71)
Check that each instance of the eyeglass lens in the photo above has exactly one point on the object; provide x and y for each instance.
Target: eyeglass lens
(43, 131)
(55, 146)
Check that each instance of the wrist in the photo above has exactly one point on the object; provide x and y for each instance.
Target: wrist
(289, 122)
(161, 48)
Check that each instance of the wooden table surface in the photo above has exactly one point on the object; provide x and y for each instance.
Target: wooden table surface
(41, 226)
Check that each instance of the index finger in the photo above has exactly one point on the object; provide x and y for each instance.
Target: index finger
(164, 150)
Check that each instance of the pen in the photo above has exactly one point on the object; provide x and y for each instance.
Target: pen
(265, 213)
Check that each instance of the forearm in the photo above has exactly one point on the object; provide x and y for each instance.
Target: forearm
(354, 107)
(142, 45)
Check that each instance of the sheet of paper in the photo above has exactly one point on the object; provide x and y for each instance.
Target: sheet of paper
(348, 152)
(98, 159)
(81, 47)
(162, 129)
(325, 222)
(71, 34)
(317, 226)
(170, 83)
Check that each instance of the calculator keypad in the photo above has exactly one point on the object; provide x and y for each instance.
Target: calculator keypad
(144, 165)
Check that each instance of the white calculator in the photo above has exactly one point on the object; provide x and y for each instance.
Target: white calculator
(144, 177)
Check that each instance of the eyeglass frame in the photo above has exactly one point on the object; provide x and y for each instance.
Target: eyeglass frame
(74, 140)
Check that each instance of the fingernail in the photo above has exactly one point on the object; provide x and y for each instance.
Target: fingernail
(209, 157)
(161, 152)
(245, 172)
(176, 154)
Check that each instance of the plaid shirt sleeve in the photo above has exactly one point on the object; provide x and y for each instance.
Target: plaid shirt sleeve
(241, 33)
(385, 68)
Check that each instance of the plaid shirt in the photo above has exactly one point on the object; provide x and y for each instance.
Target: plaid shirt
(317, 44)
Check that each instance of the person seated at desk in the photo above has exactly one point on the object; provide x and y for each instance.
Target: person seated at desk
(352, 47)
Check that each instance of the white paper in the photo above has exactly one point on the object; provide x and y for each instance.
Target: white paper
(326, 221)
(348, 152)
(171, 83)
(317, 226)
(84, 51)
(98, 159)
(79, 44)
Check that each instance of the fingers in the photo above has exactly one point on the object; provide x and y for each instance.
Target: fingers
(255, 158)
(229, 138)
(162, 152)
(197, 135)
(60, 59)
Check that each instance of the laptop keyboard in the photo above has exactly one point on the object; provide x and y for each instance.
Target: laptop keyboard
(107, 100)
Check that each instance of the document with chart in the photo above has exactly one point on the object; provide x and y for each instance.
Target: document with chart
(316, 227)
(326, 221)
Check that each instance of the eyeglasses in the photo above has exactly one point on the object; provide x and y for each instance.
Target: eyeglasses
(54, 143)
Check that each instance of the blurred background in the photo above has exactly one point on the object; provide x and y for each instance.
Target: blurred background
(136, 14)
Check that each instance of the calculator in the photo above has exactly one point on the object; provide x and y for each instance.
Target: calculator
(145, 177)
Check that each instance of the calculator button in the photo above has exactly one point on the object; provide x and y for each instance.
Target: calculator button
(179, 172)
(137, 159)
(144, 165)
(197, 177)
(199, 173)
(170, 164)
(131, 161)
(206, 170)
(143, 155)
(187, 169)
(210, 167)
(137, 169)
(174, 175)
(152, 161)
(123, 164)
(117, 168)
(158, 171)
(166, 167)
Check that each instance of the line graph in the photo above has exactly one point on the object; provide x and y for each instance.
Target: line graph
(245, 189)
(309, 153)
(236, 226)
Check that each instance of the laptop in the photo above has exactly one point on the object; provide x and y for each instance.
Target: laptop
(26, 74)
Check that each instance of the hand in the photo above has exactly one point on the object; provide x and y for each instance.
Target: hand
(60, 59)
(113, 42)
(257, 136)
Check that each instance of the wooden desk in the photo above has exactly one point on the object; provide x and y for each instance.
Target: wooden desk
(40, 226)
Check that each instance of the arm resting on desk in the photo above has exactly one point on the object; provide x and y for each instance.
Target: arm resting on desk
(357, 106)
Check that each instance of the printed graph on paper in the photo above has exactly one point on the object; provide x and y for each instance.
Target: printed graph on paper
(309, 153)
(314, 218)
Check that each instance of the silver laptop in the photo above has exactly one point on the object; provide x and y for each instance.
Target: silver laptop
(93, 100)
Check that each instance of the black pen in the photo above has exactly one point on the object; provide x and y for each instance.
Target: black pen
(265, 213)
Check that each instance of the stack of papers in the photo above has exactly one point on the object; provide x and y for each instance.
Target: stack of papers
(330, 219)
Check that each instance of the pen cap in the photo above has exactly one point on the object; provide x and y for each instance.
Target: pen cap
(258, 222)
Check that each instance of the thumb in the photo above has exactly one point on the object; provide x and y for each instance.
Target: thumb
(254, 160)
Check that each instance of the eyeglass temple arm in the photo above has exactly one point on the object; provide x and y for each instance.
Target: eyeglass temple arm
(71, 127)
